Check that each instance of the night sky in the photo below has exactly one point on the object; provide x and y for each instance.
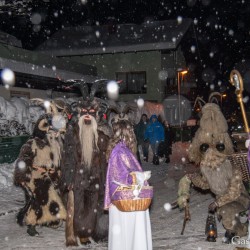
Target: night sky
(221, 26)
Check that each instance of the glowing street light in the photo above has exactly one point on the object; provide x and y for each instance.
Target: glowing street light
(180, 74)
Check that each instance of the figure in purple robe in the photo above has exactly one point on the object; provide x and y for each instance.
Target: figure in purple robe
(127, 230)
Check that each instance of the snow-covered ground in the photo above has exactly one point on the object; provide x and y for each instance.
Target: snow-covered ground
(166, 225)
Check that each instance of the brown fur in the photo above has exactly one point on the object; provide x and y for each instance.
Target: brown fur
(69, 227)
(213, 120)
(31, 218)
(87, 181)
(122, 130)
(217, 173)
(41, 156)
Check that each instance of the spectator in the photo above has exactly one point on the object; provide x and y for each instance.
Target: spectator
(165, 148)
(140, 129)
(155, 134)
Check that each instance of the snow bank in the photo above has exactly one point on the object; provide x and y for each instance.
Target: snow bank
(18, 116)
(6, 175)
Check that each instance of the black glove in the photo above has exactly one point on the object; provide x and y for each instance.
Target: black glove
(212, 207)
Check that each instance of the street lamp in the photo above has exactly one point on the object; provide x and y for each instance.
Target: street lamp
(180, 74)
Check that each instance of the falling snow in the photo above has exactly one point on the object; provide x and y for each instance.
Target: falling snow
(166, 222)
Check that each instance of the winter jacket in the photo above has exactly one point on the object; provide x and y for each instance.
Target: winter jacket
(154, 131)
(140, 129)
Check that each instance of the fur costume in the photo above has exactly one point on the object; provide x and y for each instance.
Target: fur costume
(83, 174)
(37, 171)
(210, 148)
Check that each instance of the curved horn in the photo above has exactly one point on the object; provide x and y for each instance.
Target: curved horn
(128, 108)
(59, 103)
(40, 102)
(41, 125)
(97, 85)
(53, 108)
(114, 109)
(200, 102)
(83, 87)
(213, 95)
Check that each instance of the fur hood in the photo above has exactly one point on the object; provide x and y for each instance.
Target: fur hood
(212, 120)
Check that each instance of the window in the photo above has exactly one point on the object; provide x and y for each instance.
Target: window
(14, 93)
(132, 82)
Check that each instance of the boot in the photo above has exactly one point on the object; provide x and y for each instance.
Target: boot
(167, 159)
(156, 160)
(31, 230)
(85, 241)
(228, 237)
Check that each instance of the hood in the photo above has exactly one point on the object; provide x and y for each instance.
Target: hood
(153, 116)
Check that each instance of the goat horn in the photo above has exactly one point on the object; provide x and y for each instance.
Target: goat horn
(53, 108)
(60, 104)
(83, 87)
(41, 125)
(128, 108)
(97, 85)
(39, 101)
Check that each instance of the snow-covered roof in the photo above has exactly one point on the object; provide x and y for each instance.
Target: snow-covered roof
(6, 38)
(89, 40)
(38, 64)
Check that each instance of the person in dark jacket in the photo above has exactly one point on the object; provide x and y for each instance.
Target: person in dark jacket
(165, 148)
(155, 134)
(140, 129)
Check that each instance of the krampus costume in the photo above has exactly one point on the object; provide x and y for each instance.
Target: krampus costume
(37, 171)
(84, 171)
(210, 148)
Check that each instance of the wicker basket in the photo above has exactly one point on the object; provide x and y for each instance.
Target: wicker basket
(239, 160)
(125, 200)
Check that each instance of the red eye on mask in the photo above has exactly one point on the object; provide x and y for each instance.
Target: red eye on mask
(92, 112)
(84, 111)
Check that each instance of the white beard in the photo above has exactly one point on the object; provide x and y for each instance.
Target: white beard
(88, 139)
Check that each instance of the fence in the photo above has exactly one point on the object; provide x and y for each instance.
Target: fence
(10, 147)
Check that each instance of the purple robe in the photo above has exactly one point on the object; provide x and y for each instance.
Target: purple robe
(121, 163)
